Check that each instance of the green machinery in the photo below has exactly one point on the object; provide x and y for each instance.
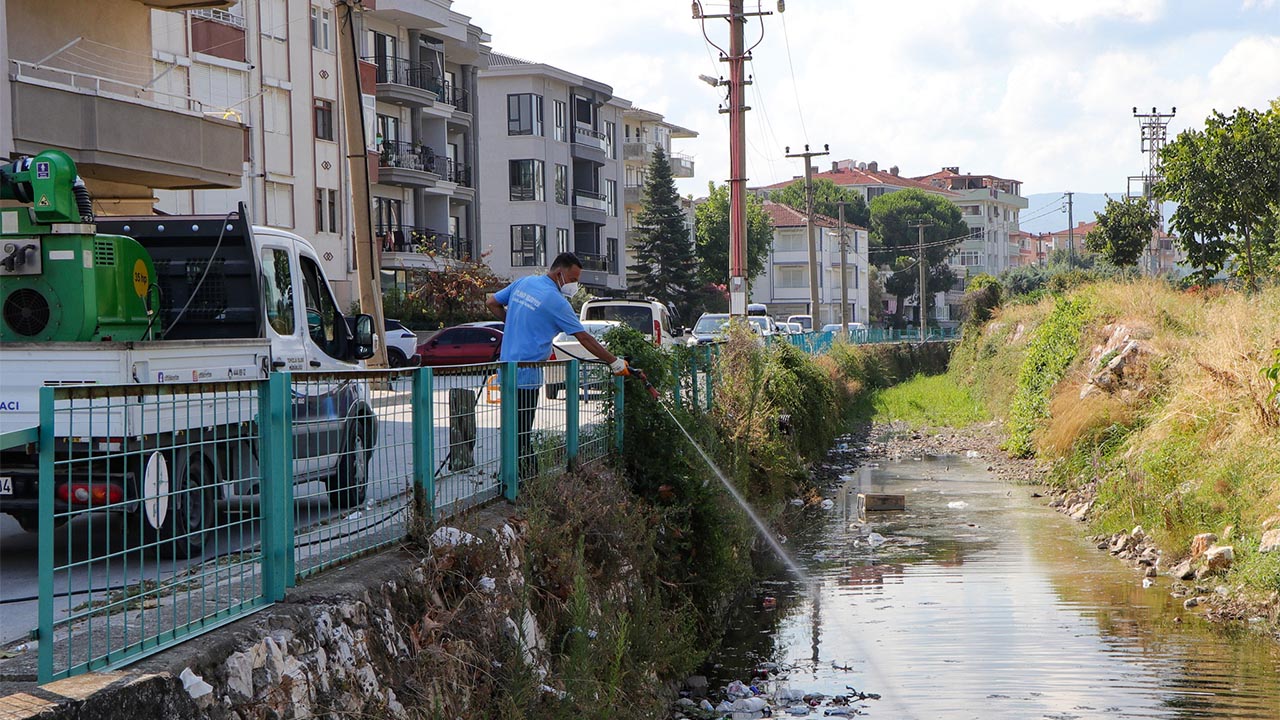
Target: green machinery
(60, 281)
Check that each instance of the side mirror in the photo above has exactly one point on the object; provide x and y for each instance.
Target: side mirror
(364, 337)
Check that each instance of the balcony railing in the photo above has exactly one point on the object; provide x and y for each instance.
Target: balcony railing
(398, 71)
(593, 138)
(593, 261)
(634, 149)
(221, 16)
(404, 238)
(457, 97)
(590, 199)
(410, 156)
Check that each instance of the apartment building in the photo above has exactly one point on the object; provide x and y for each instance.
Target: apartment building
(784, 286)
(990, 206)
(86, 77)
(274, 65)
(644, 131)
(866, 178)
(551, 171)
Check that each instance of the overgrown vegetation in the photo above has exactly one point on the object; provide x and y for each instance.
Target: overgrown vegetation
(929, 401)
(1184, 438)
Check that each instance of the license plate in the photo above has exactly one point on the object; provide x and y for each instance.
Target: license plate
(6, 486)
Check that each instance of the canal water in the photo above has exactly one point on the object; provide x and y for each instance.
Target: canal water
(979, 601)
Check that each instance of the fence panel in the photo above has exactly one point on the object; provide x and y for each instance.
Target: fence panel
(145, 533)
(595, 420)
(466, 436)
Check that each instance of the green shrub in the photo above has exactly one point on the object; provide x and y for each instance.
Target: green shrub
(1053, 348)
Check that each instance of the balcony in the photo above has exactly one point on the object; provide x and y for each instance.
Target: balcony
(422, 241)
(632, 194)
(681, 165)
(407, 83)
(174, 141)
(638, 150)
(409, 165)
(589, 144)
(590, 206)
(458, 97)
(593, 261)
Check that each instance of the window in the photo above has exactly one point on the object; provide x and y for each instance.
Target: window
(791, 241)
(324, 119)
(279, 205)
(275, 110)
(277, 290)
(875, 192)
(612, 249)
(970, 209)
(326, 210)
(968, 258)
(322, 312)
(791, 276)
(610, 131)
(528, 243)
(275, 19)
(611, 197)
(562, 184)
(321, 28)
(388, 130)
(562, 240)
(561, 113)
(385, 53)
(524, 114)
(527, 182)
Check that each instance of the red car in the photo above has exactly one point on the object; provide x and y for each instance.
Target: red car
(461, 345)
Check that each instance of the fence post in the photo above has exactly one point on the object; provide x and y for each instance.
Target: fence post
(710, 377)
(424, 445)
(275, 457)
(619, 406)
(571, 408)
(693, 381)
(45, 547)
(677, 389)
(510, 424)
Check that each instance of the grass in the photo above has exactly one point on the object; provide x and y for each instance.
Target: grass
(929, 401)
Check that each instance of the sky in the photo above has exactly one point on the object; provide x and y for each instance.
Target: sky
(1040, 91)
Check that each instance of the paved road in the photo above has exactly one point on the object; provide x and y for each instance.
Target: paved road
(322, 532)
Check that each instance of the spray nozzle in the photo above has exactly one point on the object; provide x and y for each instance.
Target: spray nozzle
(638, 374)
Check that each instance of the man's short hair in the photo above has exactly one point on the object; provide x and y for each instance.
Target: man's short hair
(565, 260)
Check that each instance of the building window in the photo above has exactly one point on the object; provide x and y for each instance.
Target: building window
(279, 205)
(968, 258)
(326, 210)
(610, 132)
(274, 19)
(321, 28)
(561, 112)
(524, 114)
(562, 184)
(875, 192)
(527, 181)
(791, 276)
(562, 240)
(612, 257)
(528, 244)
(611, 197)
(324, 119)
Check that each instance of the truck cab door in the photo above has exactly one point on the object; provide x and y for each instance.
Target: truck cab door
(281, 304)
(327, 337)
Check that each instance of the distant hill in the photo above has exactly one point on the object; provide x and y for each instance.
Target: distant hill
(1040, 215)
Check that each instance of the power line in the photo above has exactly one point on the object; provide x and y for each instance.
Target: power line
(794, 87)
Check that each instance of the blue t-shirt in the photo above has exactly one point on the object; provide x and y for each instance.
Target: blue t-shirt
(536, 311)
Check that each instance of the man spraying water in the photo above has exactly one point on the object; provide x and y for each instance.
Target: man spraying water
(535, 309)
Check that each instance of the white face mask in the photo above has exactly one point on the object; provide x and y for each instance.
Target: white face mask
(569, 289)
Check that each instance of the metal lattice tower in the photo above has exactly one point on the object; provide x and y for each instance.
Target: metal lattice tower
(1154, 128)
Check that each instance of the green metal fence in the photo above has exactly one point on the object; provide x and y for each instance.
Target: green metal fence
(167, 510)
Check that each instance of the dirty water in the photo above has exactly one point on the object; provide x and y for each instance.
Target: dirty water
(979, 601)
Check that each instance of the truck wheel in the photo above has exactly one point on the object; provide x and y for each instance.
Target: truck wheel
(349, 485)
(191, 510)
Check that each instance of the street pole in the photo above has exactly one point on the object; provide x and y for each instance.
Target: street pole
(736, 56)
(368, 274)
(844, 275)
(814, 307)
(1071, 232)
(923, 262)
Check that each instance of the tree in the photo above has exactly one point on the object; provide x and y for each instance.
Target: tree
(1123, 231)
(711, 223)
(450, 295)
(664, 255)
(894, 240)
(827, 197)
(1226, 179)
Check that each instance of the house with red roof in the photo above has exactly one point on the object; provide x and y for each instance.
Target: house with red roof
(784, 286)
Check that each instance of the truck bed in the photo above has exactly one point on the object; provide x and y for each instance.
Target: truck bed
(29, 366)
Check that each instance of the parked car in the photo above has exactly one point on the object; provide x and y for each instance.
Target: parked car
(402, 345)
(498, 325)
(764, 324)
(567, 347)
(711, 326)
(648, 317)
(461, 345)
(793, 328)
(806, 321)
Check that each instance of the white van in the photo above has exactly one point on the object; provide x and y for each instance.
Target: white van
(648, 317)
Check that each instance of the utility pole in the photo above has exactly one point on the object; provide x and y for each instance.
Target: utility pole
(814, 307)
(923, 262)
(1071, 232)
(737, 56)
(368, 275)
(844, 274)
(1154, 127)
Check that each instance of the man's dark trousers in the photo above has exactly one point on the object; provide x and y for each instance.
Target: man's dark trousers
(526, 409)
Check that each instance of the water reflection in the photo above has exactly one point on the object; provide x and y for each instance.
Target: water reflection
(977, 601)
